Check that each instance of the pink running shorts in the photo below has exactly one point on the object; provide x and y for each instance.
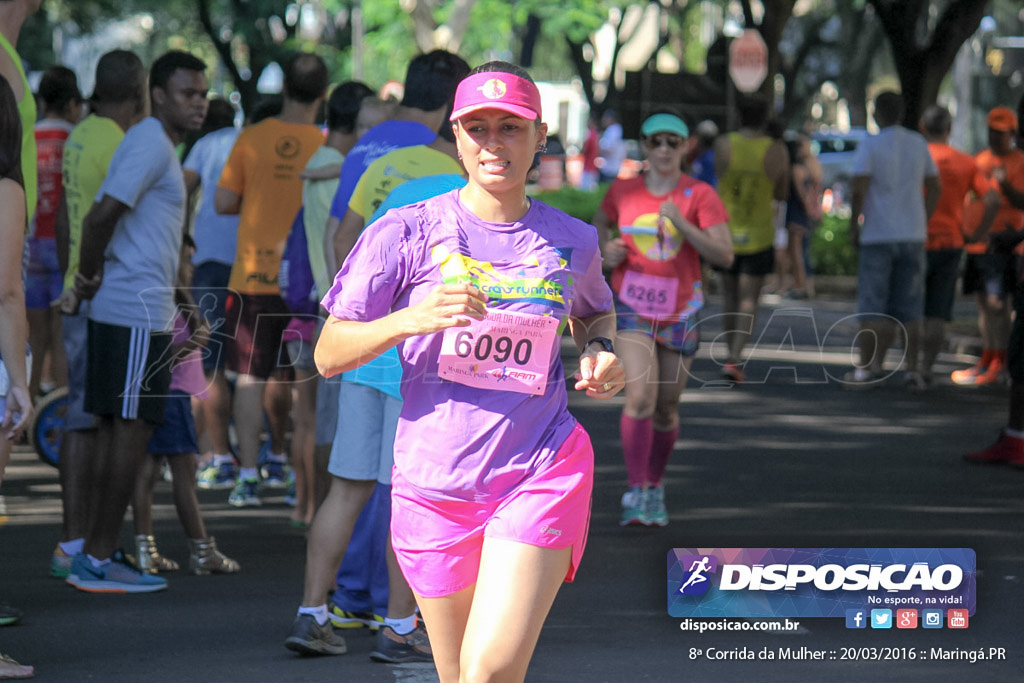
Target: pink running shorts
(438, 542)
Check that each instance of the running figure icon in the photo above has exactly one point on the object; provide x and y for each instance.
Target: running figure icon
(697, 570)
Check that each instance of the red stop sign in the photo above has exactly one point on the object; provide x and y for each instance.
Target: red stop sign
(748, 61)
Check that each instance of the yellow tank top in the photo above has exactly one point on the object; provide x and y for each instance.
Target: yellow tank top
(747, 193)
(27, 112)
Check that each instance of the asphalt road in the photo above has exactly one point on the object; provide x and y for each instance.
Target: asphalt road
(787, 459)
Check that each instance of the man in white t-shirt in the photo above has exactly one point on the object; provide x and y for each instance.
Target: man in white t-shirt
(131, 241)
(895, 189)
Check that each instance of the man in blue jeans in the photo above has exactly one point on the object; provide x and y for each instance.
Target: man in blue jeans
(890, 171)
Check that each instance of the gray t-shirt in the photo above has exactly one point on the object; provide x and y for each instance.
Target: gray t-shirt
(140, 265)
(898, 161)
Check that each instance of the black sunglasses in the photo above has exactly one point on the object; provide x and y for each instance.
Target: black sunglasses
(673, 141)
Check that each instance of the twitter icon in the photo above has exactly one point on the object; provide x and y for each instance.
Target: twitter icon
(881, 618)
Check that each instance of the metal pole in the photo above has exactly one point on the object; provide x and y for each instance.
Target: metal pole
(357, 41)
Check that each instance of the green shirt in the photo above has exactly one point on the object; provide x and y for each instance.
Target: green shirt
(87, 155)
(27, 112)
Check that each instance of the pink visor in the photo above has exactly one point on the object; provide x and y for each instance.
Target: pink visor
(497, 90)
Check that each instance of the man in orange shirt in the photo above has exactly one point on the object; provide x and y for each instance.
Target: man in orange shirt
(990, 273)
(959, 175)
(1009, 448)
(261, 183)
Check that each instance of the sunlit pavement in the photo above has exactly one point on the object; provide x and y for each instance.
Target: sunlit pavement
(786, 459)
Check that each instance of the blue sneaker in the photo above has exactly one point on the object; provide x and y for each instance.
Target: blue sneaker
(60, 563)
(275, 474)
(221, 476)
(654, 506)
(245, 494)
(634, 507)
(117, 576)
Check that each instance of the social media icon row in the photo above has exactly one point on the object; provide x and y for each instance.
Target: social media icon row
(905, 618)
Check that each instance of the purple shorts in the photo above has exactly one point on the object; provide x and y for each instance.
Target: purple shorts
(438, 542)
(43, 280)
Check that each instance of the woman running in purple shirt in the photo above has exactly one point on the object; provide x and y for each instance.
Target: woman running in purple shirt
(493, 476)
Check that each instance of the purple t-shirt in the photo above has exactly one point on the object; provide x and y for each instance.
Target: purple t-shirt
(455, 441)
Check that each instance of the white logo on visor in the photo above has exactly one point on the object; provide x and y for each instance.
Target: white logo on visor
(493, 89)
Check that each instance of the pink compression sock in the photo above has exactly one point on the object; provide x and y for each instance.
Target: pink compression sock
(637, 436)
(661, 449)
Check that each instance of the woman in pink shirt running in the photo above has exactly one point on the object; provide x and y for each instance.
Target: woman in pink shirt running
(666, 221)
(493, 477)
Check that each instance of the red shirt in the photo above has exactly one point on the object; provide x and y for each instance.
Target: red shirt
(663, 251)
(591, 150)
(50, 137)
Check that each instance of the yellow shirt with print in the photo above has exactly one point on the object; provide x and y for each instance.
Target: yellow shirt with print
(394, 169)
(87, 155)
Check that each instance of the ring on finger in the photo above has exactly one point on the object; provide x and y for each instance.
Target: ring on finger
(607, 386)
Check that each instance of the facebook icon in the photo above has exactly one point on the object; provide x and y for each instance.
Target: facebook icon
(856, 618)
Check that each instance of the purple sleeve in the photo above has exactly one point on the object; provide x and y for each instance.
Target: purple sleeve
(593, 295)
(373, 275)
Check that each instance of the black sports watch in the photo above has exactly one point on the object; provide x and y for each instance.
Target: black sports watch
(605, 343)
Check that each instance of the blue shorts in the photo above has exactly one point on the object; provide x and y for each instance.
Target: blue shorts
(300, 352)
(43, 280)
(678, 334)
(177, 433)
(210, 291)
(75, 333)
(364, 445)
(890, 280)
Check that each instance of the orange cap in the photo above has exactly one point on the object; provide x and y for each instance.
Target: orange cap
(1002, 119)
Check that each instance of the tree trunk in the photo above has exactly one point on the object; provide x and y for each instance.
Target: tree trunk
(529, 41)
(900, 20)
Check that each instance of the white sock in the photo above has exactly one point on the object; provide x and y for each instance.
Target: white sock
(222, 459)
(319, 613)
(1015, 433)
(247, 473)
(277, 457)
(73, 547)
(402, 626)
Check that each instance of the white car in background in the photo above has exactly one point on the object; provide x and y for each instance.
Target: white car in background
(835, 151)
